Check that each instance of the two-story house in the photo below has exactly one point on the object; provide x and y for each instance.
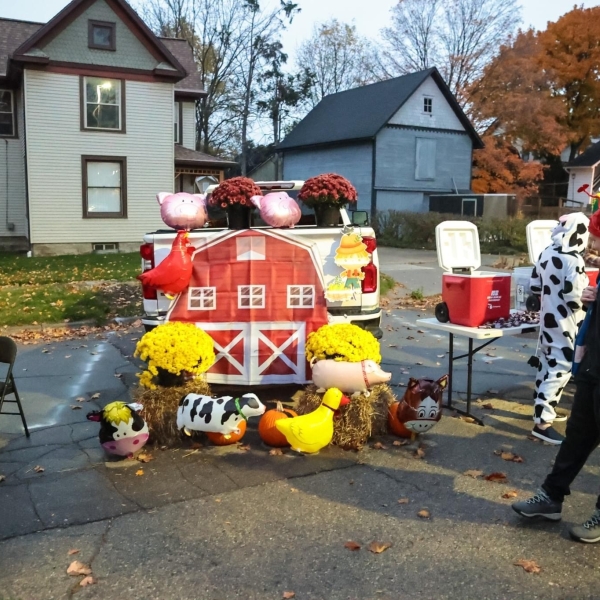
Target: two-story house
(97, 115)
(398, 141)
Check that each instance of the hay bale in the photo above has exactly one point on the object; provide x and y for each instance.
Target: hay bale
(362, 418)
(160, 410)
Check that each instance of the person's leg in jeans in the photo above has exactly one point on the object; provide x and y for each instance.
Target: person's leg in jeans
(583, 435)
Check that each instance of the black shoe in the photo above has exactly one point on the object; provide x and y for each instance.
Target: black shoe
(549, 435)
(540, 505)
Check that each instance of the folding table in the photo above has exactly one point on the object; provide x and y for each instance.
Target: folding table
(472, 333)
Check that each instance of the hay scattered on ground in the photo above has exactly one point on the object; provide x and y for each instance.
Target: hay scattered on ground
(160, 410)
(362, 418)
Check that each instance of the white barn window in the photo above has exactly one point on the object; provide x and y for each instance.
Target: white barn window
(202, 298)
(251, 296)
(300, 296)
(425, 159)
(428, 105)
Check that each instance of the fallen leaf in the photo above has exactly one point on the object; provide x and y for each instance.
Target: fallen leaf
(403, 501)
(80, 399)
(275, 452)
(473, 473)
(466, 419)
(68, 356)
(89, 580)
(400, 442)
(529, 565)
(288, 595)
(488, 406)
(75, 407)
(351, 482)
(379, 446)
(496, 477)
(441, 355)
(292, 489)
(78, 568)
(139, 472)
(493, 392)
(2, 478)
(392, 345)
(508, 456)
(352, 546)
(245, 448)
(419, 453)
(418, 363)
(379, 547)
(144, 457)
(511, 494)
(424, 514)
(73, 551)
(38, 469)
(217, 499)
(95, 396)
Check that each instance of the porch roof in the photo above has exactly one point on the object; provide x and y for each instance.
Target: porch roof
(192, 158)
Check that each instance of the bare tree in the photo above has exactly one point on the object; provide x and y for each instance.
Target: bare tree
(337, 57)
(459, 37)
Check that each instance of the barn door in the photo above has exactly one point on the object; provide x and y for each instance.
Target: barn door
(277, 352)
(232, 352)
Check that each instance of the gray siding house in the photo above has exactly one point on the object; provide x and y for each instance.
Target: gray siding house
(97, 115)
(398, 141)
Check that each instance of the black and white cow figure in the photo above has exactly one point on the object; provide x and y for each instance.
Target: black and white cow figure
(559, 278)
(216, 414)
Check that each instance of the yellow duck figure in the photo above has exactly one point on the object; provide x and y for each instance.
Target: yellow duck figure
(309, 433)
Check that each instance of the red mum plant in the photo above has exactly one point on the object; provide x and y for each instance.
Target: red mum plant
(328, 189)
(237, 190)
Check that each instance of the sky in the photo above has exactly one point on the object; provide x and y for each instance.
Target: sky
(315, 11)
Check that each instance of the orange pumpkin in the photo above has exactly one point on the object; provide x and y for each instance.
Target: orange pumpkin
(269, 434)
(395, 425)
(221, 439)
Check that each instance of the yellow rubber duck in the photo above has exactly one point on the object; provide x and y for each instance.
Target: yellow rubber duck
(309, 433)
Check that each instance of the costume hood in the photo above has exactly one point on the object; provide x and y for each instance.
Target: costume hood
(571, 234)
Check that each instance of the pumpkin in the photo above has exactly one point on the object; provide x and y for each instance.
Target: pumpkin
(395, 425)
(269, 434)
(221, 439)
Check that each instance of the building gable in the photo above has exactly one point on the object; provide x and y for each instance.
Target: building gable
(414, 113)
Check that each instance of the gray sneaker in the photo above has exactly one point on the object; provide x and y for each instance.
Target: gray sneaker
(589, 531)
(540, 505)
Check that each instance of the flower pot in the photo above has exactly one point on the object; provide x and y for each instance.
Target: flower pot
(167, 379)
(238, 216)
(327, 216)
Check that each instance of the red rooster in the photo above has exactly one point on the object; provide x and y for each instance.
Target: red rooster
(173, 274)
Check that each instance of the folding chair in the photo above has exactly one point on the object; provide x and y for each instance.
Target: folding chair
(8, 353)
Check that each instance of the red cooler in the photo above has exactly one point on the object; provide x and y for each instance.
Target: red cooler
(469, 297)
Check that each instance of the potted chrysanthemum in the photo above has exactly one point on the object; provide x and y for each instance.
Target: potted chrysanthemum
(326, 194)
(233, 195)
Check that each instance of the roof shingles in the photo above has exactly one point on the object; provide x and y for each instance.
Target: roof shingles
(12, 34)
(183, 52)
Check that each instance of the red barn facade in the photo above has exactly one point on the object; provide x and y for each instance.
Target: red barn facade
(258, 293)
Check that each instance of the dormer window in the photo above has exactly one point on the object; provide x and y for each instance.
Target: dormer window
(102, 35)
(428, 105)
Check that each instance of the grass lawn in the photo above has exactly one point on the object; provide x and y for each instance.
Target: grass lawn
(20, 270)
(387, 283)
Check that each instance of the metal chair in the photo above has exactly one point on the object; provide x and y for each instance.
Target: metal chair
(8, 353)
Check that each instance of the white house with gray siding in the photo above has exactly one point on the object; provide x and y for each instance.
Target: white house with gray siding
(398, 141)
(97, 115)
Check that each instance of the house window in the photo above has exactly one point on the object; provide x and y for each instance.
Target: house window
(202, 298)
(102, 35)
(427, 105)
(104, 186)
(103, 103)
(177, 122)
(7, 113)
(425, 159)
(251, 296)
(300, 296)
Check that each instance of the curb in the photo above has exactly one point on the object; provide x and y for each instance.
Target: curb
(12, 329)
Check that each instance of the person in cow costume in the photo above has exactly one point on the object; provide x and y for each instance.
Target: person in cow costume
(583, 426)
(559, 279)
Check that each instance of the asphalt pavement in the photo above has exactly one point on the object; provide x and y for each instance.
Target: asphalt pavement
(235, 522)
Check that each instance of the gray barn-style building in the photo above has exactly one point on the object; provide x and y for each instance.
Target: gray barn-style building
(398, 141)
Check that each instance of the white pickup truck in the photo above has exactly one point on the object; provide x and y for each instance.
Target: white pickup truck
(361, 307)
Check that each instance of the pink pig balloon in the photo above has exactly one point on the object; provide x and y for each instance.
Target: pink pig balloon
(277, 209)
(183, 211)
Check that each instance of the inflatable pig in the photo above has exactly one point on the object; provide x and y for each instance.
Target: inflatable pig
(277, 209)
(183, 211)
(352, 378)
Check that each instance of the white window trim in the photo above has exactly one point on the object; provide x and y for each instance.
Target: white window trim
(85, 105)
(202, 297)
(305, 292)
(428, 112)
(176, 123)
(251, 296)
(12, 112)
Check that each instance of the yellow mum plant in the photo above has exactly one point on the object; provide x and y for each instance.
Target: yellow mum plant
(174, 347)
(342, 342)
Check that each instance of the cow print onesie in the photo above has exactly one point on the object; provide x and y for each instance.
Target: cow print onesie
(559, 277)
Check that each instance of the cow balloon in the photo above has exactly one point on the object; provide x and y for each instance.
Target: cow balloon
(421, 406)
(122, 431)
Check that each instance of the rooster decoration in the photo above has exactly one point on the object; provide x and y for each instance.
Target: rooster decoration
(173, 274)
(584, 188)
